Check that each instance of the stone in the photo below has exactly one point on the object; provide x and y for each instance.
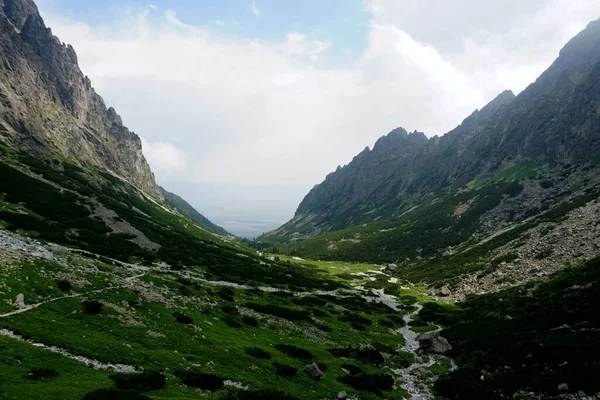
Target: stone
(20, 301)
(432, 342)
(391, 268)
(563, 387)
(314, 371)
(342, 395)
(445, 291)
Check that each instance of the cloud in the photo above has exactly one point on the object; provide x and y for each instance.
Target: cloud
(219, 109)
(166, 160)
(257, 13)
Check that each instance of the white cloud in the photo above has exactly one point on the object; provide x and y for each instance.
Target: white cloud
(166, 160)
(220, 109)
(255, 10)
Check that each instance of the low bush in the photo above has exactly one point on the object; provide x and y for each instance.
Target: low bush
(355, 318)
(229, 309)
(258, 353)
(42, 373)
(377, 383)
(233, 322)
(250, 321)
(286, 371)
(140, 382)
(295, 352)
(92, 307)
(201, 380)
(114, 394)
(182, 318)
(64, 285)
(281, 312)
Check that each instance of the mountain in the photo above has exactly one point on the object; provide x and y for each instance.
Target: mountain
(49, 108)
(186, 209)
(554, 120)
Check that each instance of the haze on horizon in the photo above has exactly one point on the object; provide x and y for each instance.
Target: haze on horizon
(243, 106)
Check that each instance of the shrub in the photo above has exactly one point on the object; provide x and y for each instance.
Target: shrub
(358, 327)
(281, 312)
(258, 353)
(366, 355)
(230, 309)
(355, 318)
(201, 380)
(92, 307)
(286, 371)
(42, 373)
(353, 369)
(324, 328)
(295, 352)
(377, 383)
(226, 293)
(114, 394)
(140, 382)
(248, 320)
(182, 318)
(258, 394)
(232, 322)
(64, 285)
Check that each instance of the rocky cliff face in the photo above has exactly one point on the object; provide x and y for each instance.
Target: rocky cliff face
(555, 119)
(50, 109)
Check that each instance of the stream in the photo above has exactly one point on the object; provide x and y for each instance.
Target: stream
(411, 383)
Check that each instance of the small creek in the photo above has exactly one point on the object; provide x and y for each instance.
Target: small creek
(415, 387)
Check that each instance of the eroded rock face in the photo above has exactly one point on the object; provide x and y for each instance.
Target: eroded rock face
(50, 109)
(432, 342)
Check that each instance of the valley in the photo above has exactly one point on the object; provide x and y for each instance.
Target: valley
(453, 267)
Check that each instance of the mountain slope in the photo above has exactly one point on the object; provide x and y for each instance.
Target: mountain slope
(50, 109)
(186, 209)
(555, 119)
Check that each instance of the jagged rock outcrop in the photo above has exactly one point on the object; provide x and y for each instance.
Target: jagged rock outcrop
(554, 119)
(49, 108)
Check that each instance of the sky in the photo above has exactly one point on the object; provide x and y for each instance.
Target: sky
(243, 106)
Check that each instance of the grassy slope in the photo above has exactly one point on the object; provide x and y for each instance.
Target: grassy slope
(217, 339)
(530, 338)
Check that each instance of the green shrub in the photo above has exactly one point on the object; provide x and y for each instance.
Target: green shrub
(92, 307)
(140, 382)
(257, 352)
(64, 285)
(42, 373)
(295, 352)
(281, 312)
(233, 322)
(377, 383)
(286, 371)
(250, 321)
(201, 380)
(114, 394)
(182, 318)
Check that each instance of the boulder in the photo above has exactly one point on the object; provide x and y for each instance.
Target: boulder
(342, 395)
(391, 268)
(20, 301)
(432, 342)
(314, 371)
(445, 291)
(563, 387)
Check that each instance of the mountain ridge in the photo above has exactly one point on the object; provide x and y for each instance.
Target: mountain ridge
(54, 111)
(553, 119)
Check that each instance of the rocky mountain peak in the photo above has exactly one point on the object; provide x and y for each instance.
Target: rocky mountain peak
(18, 11)
(55, 112)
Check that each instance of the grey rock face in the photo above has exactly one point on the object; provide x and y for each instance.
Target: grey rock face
(314, 371)
(432, 342)
(445, 291)
(50, 109)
